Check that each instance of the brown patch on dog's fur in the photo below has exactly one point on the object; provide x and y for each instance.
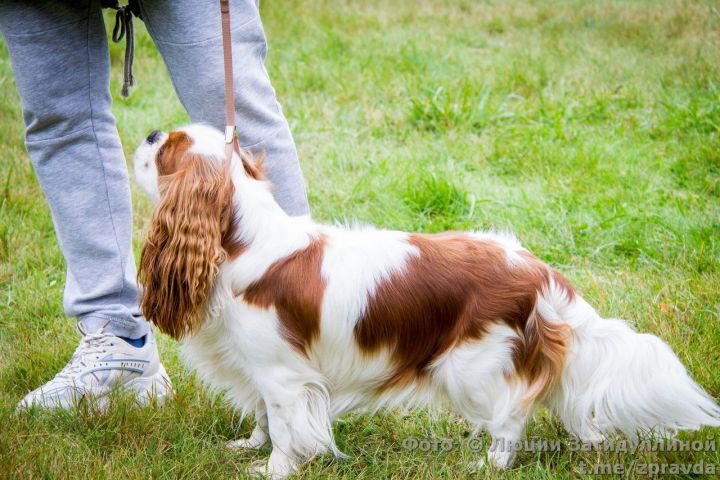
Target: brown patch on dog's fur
(193, 230)
(452, 293)
(295, 287)
(171, 155)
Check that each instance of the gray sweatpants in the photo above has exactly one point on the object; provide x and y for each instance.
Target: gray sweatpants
(59, 54)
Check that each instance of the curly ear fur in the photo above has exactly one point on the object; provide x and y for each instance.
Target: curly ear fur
(184, 246)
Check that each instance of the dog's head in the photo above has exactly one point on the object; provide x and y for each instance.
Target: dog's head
(193, 227)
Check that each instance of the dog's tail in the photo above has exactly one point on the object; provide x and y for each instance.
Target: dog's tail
(615, 379)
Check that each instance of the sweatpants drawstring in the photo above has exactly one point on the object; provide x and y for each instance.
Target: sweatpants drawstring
(124, 28)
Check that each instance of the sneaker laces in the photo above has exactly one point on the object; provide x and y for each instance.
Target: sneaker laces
(91, 344)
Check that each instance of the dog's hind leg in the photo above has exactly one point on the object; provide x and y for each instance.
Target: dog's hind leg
(478, 383)
(506, 436)
(259, 436)
(503, 415)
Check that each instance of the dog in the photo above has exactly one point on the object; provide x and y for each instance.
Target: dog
(300, 322)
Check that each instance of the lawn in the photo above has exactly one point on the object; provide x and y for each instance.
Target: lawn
(589, 128)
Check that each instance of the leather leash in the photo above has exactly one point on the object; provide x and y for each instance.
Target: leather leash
(231, 142)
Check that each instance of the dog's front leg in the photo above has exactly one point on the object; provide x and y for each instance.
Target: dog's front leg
(280, 407)
(298, 421)
(282, 460)
(259, 437)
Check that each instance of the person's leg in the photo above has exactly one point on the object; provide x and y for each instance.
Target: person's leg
(58, 50)
(187, 33)
(60, 60)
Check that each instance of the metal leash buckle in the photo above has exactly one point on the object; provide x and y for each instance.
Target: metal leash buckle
(230, 132)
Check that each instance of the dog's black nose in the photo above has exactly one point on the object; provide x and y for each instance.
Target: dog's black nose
(153, 136)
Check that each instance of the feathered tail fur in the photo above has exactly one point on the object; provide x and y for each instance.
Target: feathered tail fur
(618, 380)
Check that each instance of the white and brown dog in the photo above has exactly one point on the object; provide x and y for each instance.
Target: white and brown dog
(301, 323)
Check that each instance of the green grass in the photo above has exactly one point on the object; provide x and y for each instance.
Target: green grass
(592, 129)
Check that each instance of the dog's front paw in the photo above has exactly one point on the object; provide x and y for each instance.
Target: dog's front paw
(245, 444)
(276, 468)
(257, 439)
(258, 469)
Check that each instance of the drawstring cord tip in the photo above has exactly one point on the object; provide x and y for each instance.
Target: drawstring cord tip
(124, 28)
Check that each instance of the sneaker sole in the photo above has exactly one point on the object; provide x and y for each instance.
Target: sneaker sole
(155, 390)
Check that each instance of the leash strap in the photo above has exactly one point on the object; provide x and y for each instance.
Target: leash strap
(230, 128)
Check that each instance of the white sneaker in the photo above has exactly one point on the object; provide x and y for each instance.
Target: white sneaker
(101, 363)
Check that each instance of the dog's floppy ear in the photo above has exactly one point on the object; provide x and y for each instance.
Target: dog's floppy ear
(183, 251)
